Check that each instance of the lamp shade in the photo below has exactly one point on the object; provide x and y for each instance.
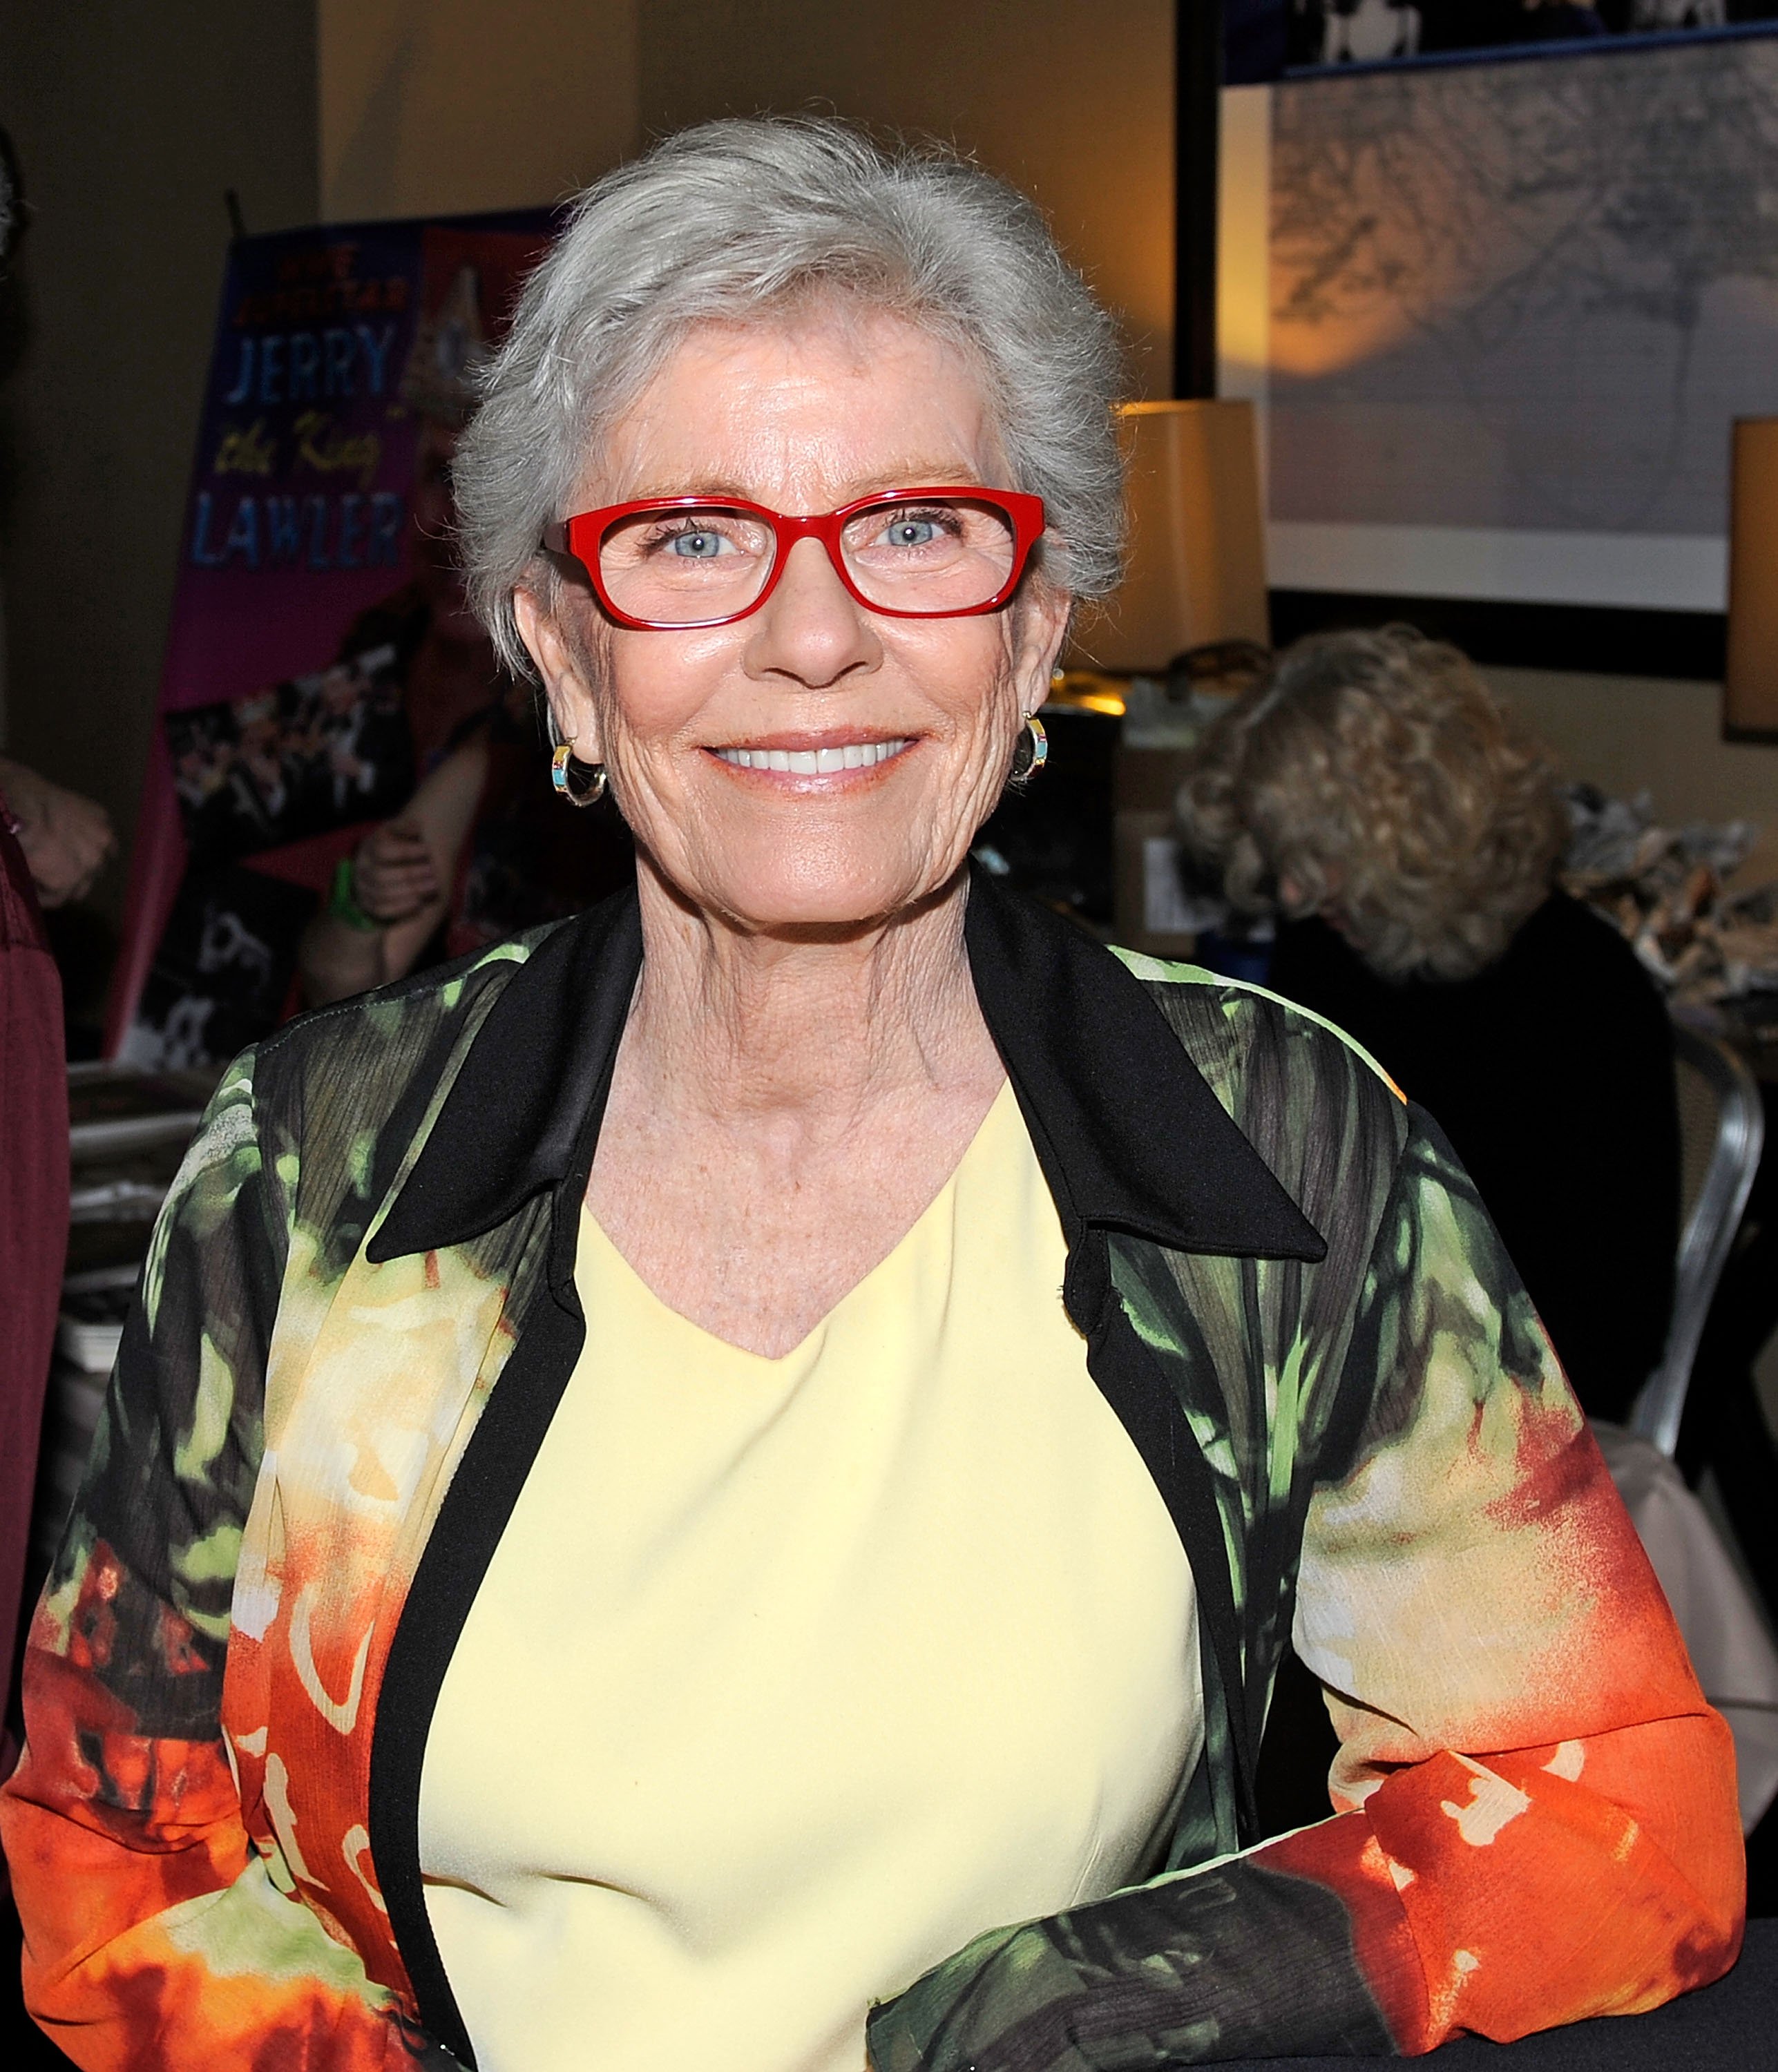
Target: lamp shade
(1751, 693)
(1197, 571)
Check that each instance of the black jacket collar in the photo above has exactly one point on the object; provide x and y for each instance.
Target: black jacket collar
(1128, 1133)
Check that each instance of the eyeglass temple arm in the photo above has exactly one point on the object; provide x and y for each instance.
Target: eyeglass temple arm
(555, 538)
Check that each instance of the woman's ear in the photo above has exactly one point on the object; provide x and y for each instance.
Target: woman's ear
(1043, 626)
(561, 666)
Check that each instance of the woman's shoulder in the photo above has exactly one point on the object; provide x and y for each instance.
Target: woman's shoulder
(331, 1087)
(1235, 1026)
(1310, 1099)
(387, 1018)
(1587, 980)
(1604, 1030)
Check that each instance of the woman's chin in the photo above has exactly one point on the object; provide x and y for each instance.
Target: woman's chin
(836, 911)
(773, 900)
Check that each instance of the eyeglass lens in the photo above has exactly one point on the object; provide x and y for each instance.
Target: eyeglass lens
(678, 567)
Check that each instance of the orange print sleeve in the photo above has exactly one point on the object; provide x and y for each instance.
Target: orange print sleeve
(159, 1930)
(1533, 1809)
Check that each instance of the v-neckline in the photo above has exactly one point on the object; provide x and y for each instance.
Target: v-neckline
(594, 1232)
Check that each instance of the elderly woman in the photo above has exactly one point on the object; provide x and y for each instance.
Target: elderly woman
(741, 1466)
(1407, 827)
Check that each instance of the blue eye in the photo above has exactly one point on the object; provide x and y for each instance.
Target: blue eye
(912, 532)
(696, 546)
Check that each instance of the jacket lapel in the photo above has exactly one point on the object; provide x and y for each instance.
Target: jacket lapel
(1139, 1153)
(1130, 1137)
(525, 1109)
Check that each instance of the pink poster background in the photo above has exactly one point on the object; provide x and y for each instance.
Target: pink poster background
(298, 513)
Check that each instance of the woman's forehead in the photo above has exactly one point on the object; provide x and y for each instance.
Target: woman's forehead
(835, 400)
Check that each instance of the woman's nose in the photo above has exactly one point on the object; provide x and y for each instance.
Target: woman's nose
(812, 627)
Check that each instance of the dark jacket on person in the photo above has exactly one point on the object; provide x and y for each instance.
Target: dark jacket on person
(1552, 1073)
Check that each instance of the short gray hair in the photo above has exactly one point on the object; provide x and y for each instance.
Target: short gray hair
(735, 219)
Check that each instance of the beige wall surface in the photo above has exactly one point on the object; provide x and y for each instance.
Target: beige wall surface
(1633, 733)
(427, 105)
(1072, 103)
(129, 122)
(433, 107)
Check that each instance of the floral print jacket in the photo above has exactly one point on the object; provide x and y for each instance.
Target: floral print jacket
(355, 1318)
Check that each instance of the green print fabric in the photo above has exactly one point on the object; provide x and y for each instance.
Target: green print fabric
(1373, 1457)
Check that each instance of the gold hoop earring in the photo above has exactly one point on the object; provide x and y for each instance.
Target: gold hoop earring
(562, 763)
(1031, 754)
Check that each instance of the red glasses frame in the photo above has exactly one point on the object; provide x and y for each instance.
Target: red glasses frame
(579, 537)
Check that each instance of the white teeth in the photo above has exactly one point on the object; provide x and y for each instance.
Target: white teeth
(815, 762)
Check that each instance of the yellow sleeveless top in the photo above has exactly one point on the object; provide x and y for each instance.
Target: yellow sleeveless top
(789, 1677)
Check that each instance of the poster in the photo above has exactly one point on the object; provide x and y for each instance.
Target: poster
(314, 570)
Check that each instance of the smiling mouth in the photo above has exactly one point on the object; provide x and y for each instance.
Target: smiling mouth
(815, 762)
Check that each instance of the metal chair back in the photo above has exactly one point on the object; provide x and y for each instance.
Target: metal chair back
(1721, 1128)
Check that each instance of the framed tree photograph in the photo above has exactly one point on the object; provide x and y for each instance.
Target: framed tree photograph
(1497, 317)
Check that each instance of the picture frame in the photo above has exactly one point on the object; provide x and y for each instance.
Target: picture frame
(1354, 535)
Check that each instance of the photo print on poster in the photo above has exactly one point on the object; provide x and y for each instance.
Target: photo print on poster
(322, 751)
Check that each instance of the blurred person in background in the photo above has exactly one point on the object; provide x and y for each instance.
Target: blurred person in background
(33, 1186)
(1405, 827)
(476, 855)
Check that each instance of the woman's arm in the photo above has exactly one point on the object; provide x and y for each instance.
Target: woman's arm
(403, 873)
(1536, 1816)
(156, 1932)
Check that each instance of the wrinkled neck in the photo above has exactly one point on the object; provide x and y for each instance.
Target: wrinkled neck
(832, 1022)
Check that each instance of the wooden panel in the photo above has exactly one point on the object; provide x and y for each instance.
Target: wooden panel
(1749, 701)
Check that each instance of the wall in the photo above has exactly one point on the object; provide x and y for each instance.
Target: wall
(432, 106)
(1072, 103)
(129, 122)
(1628, 733)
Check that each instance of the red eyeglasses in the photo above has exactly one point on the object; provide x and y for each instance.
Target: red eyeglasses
(668, 562)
